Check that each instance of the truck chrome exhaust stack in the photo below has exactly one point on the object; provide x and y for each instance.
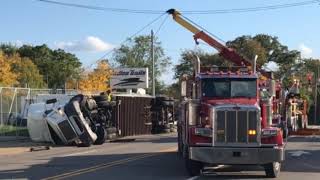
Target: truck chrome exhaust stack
(255, 64)
(197, 65)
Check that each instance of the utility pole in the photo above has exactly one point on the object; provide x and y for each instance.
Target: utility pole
(316, 98)
(152, 56)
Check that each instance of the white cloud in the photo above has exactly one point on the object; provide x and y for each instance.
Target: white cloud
(89, 44)
(18, 43)
(305, 51)
(271, 66)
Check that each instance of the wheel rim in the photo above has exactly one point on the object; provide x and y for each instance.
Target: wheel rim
(277, 166)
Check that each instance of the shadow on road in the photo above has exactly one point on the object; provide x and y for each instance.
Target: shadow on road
(153, 166)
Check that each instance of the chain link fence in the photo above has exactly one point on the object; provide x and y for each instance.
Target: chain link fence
(14, 104)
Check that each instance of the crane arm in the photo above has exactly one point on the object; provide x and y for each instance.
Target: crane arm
(224, 51)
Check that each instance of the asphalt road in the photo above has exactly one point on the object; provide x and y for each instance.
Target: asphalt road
(148, 157)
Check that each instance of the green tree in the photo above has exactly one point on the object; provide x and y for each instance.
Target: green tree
(8, 49)
(249, 47)
(187, 58)
(136, 53)
(56, 66)
(268, 48)
(173, 90)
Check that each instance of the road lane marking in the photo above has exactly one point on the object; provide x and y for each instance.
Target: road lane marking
(80, 153)
(106, 165)
(298, 153)
(193, 178)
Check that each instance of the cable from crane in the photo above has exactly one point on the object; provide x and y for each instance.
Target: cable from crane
(162, 23)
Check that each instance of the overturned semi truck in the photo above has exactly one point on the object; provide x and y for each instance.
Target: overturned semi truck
(82, 121)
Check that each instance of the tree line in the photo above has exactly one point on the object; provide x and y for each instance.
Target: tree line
(42, 67)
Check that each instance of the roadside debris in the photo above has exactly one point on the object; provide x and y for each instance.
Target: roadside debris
(39, 148)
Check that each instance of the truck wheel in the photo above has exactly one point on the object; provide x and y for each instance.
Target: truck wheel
(272, 169)
(193, 167)
(102, 134)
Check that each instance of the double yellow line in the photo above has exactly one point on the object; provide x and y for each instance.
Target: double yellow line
(105, 165)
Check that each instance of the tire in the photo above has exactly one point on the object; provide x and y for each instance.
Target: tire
(194, 168)
(272, 169)
(101, 134)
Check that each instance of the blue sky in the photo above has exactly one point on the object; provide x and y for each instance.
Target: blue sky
(89, 33)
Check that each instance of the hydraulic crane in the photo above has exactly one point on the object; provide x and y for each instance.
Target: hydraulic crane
(228, 118)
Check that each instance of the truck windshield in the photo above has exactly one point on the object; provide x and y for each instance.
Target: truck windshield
(223, 87)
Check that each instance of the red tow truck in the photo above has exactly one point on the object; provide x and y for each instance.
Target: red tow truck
(227, 113)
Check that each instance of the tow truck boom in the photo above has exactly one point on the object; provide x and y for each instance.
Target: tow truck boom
(228, 53)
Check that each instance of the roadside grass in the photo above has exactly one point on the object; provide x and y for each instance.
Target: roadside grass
(8, 130)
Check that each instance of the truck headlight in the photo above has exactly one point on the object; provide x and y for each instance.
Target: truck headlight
(252, 132)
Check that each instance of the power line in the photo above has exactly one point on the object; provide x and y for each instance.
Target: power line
(213, 11)
(133, 35)
(120, 10)
(253, 9)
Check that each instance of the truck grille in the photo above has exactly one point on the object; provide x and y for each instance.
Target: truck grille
(67, 130)
(232, 127)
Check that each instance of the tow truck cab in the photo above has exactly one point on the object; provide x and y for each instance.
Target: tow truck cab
(223, 120)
